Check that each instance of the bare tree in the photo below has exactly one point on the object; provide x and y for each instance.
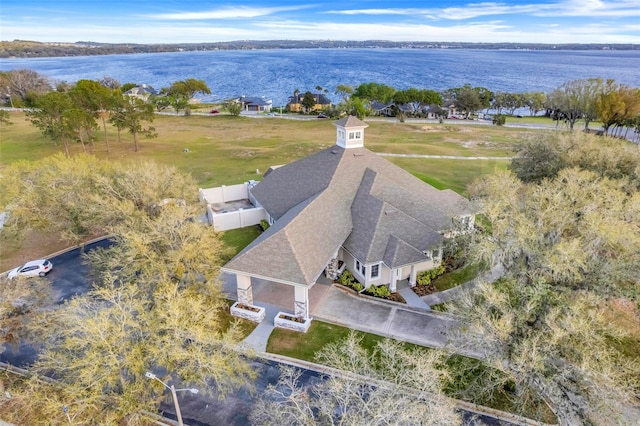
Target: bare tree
(569, 245)
(156, 304)
(390, 385)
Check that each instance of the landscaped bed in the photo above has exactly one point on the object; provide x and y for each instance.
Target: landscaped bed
(347, 280)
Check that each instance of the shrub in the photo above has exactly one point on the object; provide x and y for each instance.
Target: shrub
(499, 119)
(264, 225)
(425, 277)
(347, 278)
(357, 286)
(379, 291)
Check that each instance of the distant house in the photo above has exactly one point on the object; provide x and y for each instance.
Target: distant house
(382, 109)
(451, 108)
(434, 111)
(255, 103)
(142, 91)
(295, 102)
(346, 207)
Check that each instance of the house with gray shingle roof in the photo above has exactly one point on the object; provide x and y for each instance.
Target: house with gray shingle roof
(347, 205)
(142, 91)
(255, 103)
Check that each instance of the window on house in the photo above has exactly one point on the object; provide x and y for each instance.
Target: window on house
(358, 265)
(375, 271)
(358, 135)
(351, 135)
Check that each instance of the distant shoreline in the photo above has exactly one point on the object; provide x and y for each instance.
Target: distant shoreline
(35, 49)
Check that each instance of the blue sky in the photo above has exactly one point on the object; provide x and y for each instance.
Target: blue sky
(181, 21)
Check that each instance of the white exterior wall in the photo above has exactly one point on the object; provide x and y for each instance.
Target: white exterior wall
(236, 219)
(408, 272)
(350, 262)
(224, 194)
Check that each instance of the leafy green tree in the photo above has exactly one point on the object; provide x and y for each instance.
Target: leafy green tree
(131, 114)
(80, 123)
(181, 92)
(468, 100)
(375, 92)
(188, 88)
(535, 101)
(499, 101)
(390, 385)
(617, 104)
(486, 96)
(344, 91)
(95, 99)
(420, 98)
(49, 116)
(127, 86)
(513, 101)
(178, 102)
(536, 160)
(234, 107)
(308, 102)
(576, 99)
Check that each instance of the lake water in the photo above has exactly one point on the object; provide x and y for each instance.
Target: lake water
(275, 74)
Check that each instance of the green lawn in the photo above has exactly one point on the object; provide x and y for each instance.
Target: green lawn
(237, 239)
(225, 150)
(305, 345)
(457, 277)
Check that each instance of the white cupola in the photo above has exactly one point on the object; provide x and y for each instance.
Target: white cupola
(350, 132)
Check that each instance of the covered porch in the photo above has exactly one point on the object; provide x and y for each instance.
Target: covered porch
(294, 301)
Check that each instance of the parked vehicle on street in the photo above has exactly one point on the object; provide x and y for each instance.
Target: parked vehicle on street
(40, 267)
(215, 111)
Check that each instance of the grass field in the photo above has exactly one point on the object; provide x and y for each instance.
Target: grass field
(229, 150)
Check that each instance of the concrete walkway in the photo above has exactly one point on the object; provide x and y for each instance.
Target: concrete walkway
(412, 322)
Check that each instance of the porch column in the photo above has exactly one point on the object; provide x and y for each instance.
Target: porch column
(245, 292)
(392, 281)
(412, 277)
(302, 302)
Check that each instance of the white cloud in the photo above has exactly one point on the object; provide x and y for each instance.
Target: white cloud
(567, 8)
(241, 12)
(494, 31)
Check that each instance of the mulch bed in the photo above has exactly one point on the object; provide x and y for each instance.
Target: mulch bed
(423, 290)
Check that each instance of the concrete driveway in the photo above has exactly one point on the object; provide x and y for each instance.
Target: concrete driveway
(333, 304)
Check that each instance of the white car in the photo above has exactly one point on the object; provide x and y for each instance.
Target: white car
(38, 267)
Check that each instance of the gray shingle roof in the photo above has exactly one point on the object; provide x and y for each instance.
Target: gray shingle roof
(349, 197)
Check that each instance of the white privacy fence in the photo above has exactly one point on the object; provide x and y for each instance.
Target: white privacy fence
(228, 207)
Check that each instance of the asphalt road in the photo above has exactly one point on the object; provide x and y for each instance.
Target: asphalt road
(71, 276)
(235, 408)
